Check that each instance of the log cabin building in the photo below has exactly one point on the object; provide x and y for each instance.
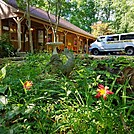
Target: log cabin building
(13, 22)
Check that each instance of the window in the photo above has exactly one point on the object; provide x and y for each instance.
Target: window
(40, 36)
(62, 38)
(49, 39)
(113, 38)
(101, 38)
(127, 37)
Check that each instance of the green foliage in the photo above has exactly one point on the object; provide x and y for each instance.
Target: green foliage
(82, 14)
(56, 104)
(101, 29)
(104, 10)
(123, 19)
(6, 48)
(118, 13)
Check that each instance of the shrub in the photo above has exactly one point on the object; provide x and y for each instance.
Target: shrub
(6, 48)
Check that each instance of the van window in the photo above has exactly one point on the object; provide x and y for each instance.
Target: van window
(127, 37)
(113, 38)
(100, 39)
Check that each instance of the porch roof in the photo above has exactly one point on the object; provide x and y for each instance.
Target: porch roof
(41, 14)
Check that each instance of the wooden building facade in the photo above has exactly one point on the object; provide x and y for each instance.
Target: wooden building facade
(14, 22)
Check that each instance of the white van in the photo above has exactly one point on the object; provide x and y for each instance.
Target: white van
(113, 43)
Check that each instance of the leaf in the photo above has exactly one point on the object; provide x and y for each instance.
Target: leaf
(12, 113)
(3, 130)
(1, 106)
(108, 74)
(3, 89)
(98, 77)
(3, 72)
(130, 110)
(98, 116)
(21, 82)
(68, 92)
(3, 100)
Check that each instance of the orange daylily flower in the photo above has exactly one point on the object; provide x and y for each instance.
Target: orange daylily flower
(103, 91)
(27, 85)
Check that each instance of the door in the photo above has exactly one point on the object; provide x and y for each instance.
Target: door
(112, 43)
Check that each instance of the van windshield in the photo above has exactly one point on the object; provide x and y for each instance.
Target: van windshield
(100, 39)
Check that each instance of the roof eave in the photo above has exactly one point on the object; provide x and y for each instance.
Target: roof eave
(46, 21)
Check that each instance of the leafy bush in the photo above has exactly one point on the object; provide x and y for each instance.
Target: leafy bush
(55, 104)
(6, 48)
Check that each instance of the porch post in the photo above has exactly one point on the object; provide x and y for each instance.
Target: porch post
(87, 47)
(18, 21)
(47, 29)
(65, 34)
(77, 43)
(0, 28)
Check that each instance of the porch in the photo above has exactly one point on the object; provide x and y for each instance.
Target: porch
(15, 24)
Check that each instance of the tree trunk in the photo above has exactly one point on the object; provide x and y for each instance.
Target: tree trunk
(29, 26)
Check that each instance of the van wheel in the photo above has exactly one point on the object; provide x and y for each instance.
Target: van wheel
(130, 51)
(95, 52)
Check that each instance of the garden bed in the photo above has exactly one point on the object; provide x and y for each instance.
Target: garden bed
(89, 101)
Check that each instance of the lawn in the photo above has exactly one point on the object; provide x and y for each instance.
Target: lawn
(90, 101)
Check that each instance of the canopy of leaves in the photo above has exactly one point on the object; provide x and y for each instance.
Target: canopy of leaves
(82, 14)
(101, 29)
(123, 16)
